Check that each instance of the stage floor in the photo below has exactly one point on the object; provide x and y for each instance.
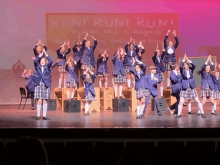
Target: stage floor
(10, 117)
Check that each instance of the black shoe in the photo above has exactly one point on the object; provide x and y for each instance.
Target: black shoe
(178, 116)
(199, 114)
(120, 97)
(168, 87)
(214, 113)
(38, 118)
(159, 114)
(45, 118)
(72, 99)
(184, 104)
(203, 116)
(190, 113)
(32, 108)
(138, 117)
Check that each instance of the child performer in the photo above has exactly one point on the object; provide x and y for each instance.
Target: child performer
(42, 82)
(131, 51)
(158, 62)
(176, 81)
(207, 86)
(29, 85)
(188, 85)
(140, 80)
(216, 81)
(152, 80)
(88, 59)
(118, 72)
(61, 54)
(141, 51)
(170, 54)
(88, 78)
(39, 48)
(102, 69)
(77, 56)
(71, 78)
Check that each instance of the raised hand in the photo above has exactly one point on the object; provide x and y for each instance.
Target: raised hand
(93, 38)
(168, 32)
(140, 43)
(63, 44)
(33, 58)
(68, 43)
(87, 34)
(157, 47)
(130, 40)
(134, 41)
(219, 66)
(174, 32)
(25, 70)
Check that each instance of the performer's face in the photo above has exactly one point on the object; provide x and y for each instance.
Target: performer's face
(137, 68)
(87, 76)
(177, 67)
(158, 52)
(70, 64)
(207, 69)
(170, 43)
(153, 71)
(186, 65)
(131, 47)
(42, 61)
(88, 43)
(39, 49)
(62, 49)
(217, 74)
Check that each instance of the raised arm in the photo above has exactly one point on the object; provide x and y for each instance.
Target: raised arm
(165, 39)
(75, 47)
(95, 43)
(177, 40)
(84, 40)
(175, 78)
(49, 64)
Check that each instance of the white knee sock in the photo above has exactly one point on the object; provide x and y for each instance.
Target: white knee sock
(44, 110)
(64, 81)
(133, 82)
(142, 109)
(116, 91)
(120, 90)
(60, 82)
(168, 82)
(72, 95)
(100, 83)
(138, 110)
(106, 84)
(129, 83)
(113, 82)
(180, 107)
(189, 107)
(68, 94)
(200, 108)
(215, 106)
(87, 106)
(38, 110)
(161, 91)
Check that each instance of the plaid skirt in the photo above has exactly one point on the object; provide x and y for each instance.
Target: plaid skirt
(90, 97)
(161, 76)
(41, 92)
(207, 92)
(61, 69)
(168, 64)
(189, 93)
(84, 66)
(120, 78)
(127, 69)
(217, 95)
(103, 74)
(142, 93)
(71, 84)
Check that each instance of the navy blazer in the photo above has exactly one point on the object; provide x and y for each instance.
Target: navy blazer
(29, 83)
(188, 82)
(89, 86)
(77, 55)
(88, 54)
(216, 83)
(128, 57)
(118, 66)
(35, 51)
(170, 57)
(152, 85)
(176, 81)
(71, 74)
(160, 66)
(62, 56)
(206, 78)
(139, 81)
(45, 76)
(102, 65)
(140, 57)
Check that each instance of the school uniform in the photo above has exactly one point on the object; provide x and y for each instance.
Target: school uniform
(207, 86)
(170, 58)
(62, 57)
(140, 81)
(158, 62)
(176, 81)
(188, 82)
(151, 85)
(139, 57)
(102, 68)
(71, 77)
(88, 59)
(37, 53)
(118, 71)
(216, 82)
(29, 86)
(42, 79)
(128, 59)
(89, 88)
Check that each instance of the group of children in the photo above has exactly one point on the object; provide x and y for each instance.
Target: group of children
(128, 67)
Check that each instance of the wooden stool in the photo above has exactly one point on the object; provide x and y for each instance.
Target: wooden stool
(106, 97)
(167, 95)
(58, 97)
(64, 96)
(130, 93)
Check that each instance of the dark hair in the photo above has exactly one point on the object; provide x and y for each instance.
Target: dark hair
(42, 58)
(27, 150)
(90, 79)
(200, 71)
(173, 66)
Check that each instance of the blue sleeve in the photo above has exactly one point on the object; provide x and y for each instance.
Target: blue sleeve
(137, 49)
(126, 48)
(93, 77)
(67, 52)
(74, 48)
(49, 64)
(95, 44)
(154, 56)
(66, 67)
(83, 44)
(36, 61)
(142, 51)
(177, 42)
(165, 41)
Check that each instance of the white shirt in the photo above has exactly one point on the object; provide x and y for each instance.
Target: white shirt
(63, 54)
(170, 51)
(142, 47)
(42, 69)
(158, 58)
(132, 52)
(211, 63)
(152, 76)
(175, 71)
(139, 74)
